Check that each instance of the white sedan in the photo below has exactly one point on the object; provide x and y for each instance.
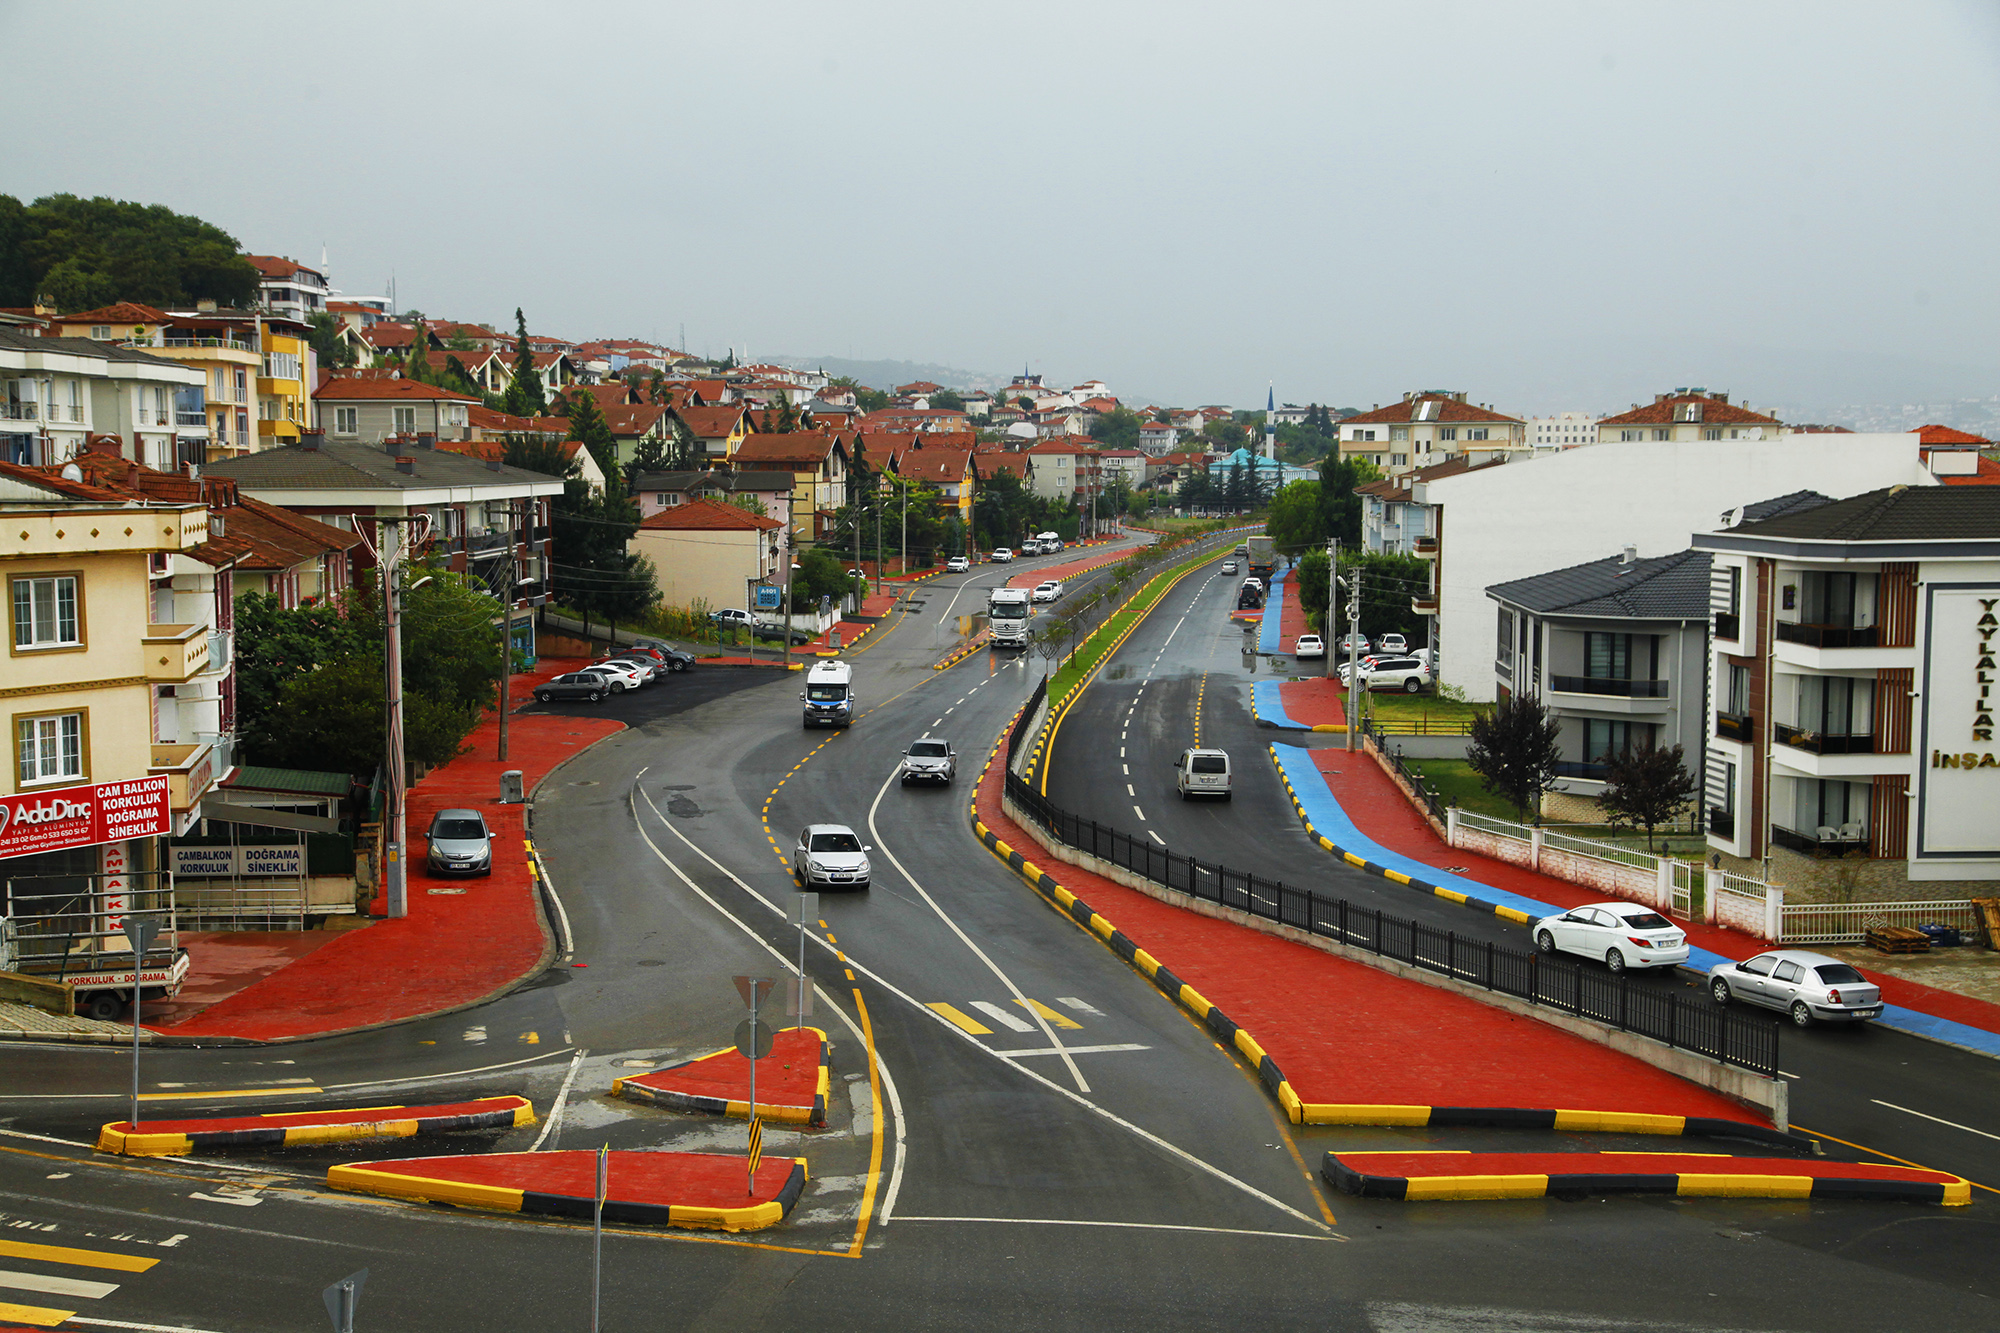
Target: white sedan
(1309, 645)
(1046, 591)
(1622, 935)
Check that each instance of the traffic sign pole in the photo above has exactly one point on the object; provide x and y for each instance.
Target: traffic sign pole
(139, 933)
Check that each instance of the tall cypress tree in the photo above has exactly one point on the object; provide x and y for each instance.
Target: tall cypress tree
(524, 396)
(417, 365)
(587, 424)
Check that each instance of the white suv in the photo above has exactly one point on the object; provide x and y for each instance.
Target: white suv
(1408, 674)
(1202, 773)
(958, 564)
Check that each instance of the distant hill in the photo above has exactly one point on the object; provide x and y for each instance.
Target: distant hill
(888, 374)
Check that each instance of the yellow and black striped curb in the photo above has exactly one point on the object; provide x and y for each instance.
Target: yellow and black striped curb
(814, 1114)
(1351, 1177)
(370, 1178)
(368, 1122)
(972, 646)
(1219, 1024)
(1505, 913)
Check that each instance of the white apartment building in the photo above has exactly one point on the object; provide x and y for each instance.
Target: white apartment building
(60, 391)
(1853, 657)
(1427, 427)
(1565, 430)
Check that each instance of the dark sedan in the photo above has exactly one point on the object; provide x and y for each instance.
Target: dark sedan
(587, 685)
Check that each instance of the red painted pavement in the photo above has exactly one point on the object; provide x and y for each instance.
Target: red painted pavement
(679, 1179)
(453, 948)
(223, 962)
(1379, 809)
(788, 1076)
(1421, 1165)
(1291, 620)
(353, 1115)
(1344, 1032)
(1315, 702)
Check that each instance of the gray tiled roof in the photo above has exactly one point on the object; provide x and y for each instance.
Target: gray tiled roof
(337, 466)
(1795, 503)
(1895, 513)
(82, 347)
(1667, 587)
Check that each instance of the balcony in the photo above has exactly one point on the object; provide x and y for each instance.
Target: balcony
(175, 654)
(220, 652)
(1735, 727)
(191, 770)
(20, 412)
(1424, 604)
(488, 541)
(1823, 842)
(1592, 772)
(1606, 685)
(1829, 636)
(1820, 742)
(191, 420)
(226, 344)
(1427, 547)
(1727, 626)
(1722, 823)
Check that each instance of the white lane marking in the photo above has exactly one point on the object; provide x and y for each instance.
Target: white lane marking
(56, 1286)
(1921, 1116)
(1127, 768)
(556, 1054)
(240, 1200)
(1121, 752)
(1136, 1226)
(1014, 991)
(474, 1034)
(1128, 787)
(1082, 1007)
(562, 1096)
(1141, 813)
(1156, 837)
(1001, 1016)
(1074, 1050)
(881, 1066)
(938, 722)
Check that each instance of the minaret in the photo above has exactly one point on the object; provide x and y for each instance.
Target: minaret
(1270, 421)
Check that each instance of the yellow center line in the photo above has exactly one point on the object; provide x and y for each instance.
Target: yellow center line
(875, 1135)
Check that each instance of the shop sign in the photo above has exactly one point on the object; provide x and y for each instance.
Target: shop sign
(85, 816)
(1959, 780)
(235, 862)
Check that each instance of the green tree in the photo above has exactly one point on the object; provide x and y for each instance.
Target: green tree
(587, 423)
(275, 645)
(524, 396)
(1342, 507)
(821, 574)
(417, 361)
(333, 351)
(1117, 429)
(1229, 434)
(83, 253)
(1515, 749)
(1648, 787)
(1297, 520)
(947, 400)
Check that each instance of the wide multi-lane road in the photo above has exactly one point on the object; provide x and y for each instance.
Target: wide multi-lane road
(1041, 1140)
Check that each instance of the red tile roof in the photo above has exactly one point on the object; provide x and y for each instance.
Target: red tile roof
(124, 312)
(809, 447)
(712, 423)
(1988, 475)
(376, 389)
(485, 418)
(708, 516)
(635, 418)
(1450, 413)
(1660, 412)
(1946, 435)
(1063, 447)
(277, 266)
(943, 466)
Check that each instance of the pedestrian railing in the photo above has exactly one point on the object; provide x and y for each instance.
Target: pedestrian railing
(1731, 1035)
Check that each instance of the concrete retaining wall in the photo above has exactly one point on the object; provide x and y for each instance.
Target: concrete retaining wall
(1429, 747)
(54, 997)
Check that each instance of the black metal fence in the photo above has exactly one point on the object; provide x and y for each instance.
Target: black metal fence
(1731, 1035)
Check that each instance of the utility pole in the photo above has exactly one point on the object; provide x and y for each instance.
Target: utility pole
(392, 686)
(878, 533)
(1332, 566)
(507, 630)
(1353, 656)
(785, 573)
(903, 551)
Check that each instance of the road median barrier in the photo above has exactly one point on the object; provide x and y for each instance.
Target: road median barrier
(792, 1081)
(683, 1189)
(1416, 1176)
(178, 1138)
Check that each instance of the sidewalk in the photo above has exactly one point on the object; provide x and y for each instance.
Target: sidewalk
(1316, 703)
(1364, 797)
(1348, 1043)
(463, 941)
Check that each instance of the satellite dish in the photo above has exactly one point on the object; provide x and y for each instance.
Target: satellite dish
(71, 472)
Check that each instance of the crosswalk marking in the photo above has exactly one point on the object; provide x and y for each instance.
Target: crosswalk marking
(56, 1286)
(1002, 1017)
(63, 1254)
(33, 1314)
(1060, 1020)
(1071, 1002)
(963, 1021)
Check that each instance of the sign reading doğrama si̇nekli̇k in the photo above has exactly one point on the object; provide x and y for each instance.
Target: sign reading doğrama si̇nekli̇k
(1958, 783)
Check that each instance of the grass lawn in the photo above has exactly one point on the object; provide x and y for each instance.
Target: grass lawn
(1458, 785)
(1389, 706)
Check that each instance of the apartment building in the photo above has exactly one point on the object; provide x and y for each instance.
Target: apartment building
(1689, 414)
(1851, 745)
(368, 409)
(1427, 427)
(819, 463)
(1564, 430)
(711, 551)
(289, 288)
(62, 392)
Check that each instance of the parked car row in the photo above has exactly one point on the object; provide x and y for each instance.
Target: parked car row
(634, 668)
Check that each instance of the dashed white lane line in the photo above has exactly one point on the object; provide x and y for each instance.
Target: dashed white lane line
(1156, 837)
(1082, 1007)
(1141, 813)
(1121, 752)
(1921, 1116)
(1129, 791)
(1127, 768)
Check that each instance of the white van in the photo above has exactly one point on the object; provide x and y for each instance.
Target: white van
(1202, 773)
(829, 695)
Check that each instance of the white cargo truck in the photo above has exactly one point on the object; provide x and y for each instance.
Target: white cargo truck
(1007, 613)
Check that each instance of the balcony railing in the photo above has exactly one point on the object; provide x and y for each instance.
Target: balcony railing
(191, 420)
(1735, 727)
(1722, 823)
(1624, 689)
(19, 412)
(1829, 636)
(1727, 626)
(1822, 842)
(1425, 604)
(1427, 546)
(1572, 769)
(1820, 742)
(232, 344)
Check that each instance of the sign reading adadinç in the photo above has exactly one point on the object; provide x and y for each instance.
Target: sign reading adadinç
(49, 821)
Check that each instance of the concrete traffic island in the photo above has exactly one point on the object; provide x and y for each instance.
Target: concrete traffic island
(682, 1189)
(791, 1081)
(1474, 1175)
(159, 1138)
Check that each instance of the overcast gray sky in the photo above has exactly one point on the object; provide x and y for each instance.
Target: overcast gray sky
(1550, 205)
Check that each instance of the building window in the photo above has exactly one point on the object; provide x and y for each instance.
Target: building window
(345, 420)
(1395, 433)
(1472, 433)
(1449, 433)
(1364, 435)
(1505, 640)
(76, 400)
(1399, 460)
(1605, 739)
(100, 332)
(1711, 433)
(1630, 435)
(242, 384)
(242, 430)
(48, 612)
(1737, 700)
(1612, 656)
(1735, 590)
(406, 419)
(49, 748)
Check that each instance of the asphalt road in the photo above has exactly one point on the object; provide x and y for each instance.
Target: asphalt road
(1108, 1167)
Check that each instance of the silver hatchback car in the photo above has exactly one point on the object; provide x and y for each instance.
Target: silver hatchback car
(460, 843)
(1808, 986)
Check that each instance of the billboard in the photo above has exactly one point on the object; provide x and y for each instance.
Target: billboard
(1958, 777)
(232, 862)
(51, 821)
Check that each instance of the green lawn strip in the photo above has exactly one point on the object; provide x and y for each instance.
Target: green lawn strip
(1092, 652)
(1458, 785)
(1390, 706)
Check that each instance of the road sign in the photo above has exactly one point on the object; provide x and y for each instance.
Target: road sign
(769, 597)
(762, 987)
(341, 1298)
(805, 909)
(139, 933)
(798, 998)
(754, 1037)
(756, 1144)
